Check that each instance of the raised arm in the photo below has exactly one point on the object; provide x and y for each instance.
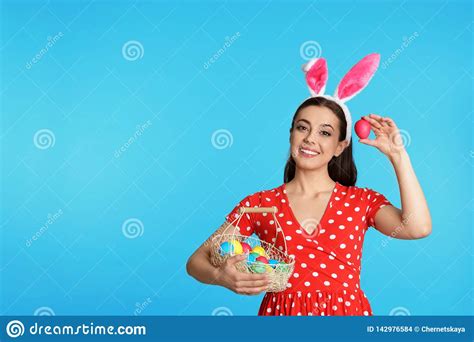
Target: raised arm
(413, 221)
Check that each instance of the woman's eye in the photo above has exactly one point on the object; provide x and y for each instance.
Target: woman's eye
(326, 133)
(301, 128)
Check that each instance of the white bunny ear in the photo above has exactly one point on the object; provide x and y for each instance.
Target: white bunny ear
(316, 75)
(358, 77)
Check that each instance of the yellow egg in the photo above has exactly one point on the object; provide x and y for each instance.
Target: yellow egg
(237, 246)
(259, 250)
(269, 268)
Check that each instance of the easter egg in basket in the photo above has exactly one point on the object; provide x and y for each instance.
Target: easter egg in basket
(246, 248)
(259, 249)
(258, 267)
(273, 262)
(237, 246)
(262, 256)
(226, 248)
(282, 267)
(230, 247)
(252, 257)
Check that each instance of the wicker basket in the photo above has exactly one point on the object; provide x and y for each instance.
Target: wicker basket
(279, 273)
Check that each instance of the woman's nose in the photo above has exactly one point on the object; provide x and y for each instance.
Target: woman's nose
(309, 139)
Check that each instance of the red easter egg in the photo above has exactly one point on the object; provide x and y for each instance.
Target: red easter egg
(262, 259)
(246, 247)
(362, 128)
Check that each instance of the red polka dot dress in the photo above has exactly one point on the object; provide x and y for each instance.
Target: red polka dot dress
(326, 279)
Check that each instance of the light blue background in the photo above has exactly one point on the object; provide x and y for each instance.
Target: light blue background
(177, 183)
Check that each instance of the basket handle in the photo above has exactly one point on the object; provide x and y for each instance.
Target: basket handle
(273, 210)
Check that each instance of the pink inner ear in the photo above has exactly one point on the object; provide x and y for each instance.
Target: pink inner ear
(358, 77)
(317, 75)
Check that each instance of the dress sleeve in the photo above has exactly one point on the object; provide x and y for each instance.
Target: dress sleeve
(375, 201)
(246, 225)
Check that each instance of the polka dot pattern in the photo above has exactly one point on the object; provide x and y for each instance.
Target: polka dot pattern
(326, 278)
(318, 303)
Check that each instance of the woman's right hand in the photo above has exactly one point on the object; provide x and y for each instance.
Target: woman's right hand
(240, 282)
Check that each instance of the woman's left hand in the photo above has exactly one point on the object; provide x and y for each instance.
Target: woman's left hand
(387, 135)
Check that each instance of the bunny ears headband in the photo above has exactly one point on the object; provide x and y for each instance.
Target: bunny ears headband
(351, 84)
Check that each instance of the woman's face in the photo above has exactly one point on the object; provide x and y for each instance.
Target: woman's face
(314, 139)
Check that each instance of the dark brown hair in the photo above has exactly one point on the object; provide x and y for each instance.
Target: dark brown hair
(341, 169)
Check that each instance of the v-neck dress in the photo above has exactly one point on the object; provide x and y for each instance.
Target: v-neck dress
(326, 279)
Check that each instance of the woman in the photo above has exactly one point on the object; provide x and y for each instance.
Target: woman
(324, 216)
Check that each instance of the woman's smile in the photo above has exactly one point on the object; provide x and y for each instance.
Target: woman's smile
(307, 153)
